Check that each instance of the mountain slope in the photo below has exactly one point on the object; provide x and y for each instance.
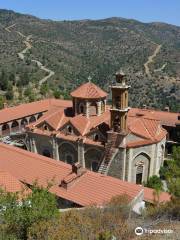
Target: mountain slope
(148, 53)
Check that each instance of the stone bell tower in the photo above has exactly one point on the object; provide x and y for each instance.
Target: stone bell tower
(120, 107)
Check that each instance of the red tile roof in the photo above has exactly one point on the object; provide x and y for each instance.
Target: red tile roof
(141, 122)
(90, 188)
(166, 118)
(10, 183)
(28, 109)
(149, 130)
(89, 91)
(150, 196)
(57, 119)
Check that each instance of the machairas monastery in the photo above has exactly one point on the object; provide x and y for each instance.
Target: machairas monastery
(125, 146)
(114, 140)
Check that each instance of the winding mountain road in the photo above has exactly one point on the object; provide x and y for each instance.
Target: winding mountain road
(28, 45)
(161, 68)
(151, 60)
(42, 67)
(8, 28)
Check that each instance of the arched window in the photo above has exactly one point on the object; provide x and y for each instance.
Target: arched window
(96, 137)
(94, 166)
(116, 123)
(5, 129)
(139, 174)
(45, 127)
(46, 153)
(81, 109)
(24, 122)
(15, 126)
(117, 102)
(32, 119)
(69, 129)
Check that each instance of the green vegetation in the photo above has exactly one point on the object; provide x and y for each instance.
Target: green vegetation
(76, 49)
(37, 217)
(18, 215)
(154, 182)
(171, 173)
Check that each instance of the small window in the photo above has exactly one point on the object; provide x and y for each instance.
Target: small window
(45, 127)
(139, 174)
(96, 137)
(69, 129)
(81, 109)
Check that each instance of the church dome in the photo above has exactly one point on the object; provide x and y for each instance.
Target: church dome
(89, 91)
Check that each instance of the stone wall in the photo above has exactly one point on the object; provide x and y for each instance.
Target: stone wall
(116, 168)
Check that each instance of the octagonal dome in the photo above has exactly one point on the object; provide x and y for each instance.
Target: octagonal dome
(88, 91)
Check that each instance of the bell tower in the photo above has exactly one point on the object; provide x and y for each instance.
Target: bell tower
(120, 107)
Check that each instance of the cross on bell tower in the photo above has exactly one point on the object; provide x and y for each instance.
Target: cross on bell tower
(120, 107)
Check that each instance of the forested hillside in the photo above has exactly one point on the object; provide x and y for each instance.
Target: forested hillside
(41, 58)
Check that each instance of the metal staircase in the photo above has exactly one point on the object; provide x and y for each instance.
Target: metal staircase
(110, 150)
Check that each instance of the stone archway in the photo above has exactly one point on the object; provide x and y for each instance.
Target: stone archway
(5, 129)
(93, 158)
(68, 153)
(15, 126)
(32, 119)
(140, 168)
(23, 123)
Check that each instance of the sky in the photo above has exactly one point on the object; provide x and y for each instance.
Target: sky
(143, 10)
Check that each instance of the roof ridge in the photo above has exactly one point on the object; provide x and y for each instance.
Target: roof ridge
(61, 119)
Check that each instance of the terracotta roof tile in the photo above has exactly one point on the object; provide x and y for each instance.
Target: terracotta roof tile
(89, 91)
(166, 118)
(81, 123)
(149, 195)
(10, 183)
(23, 110)
(91, 188)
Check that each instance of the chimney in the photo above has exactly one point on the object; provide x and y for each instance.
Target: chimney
(5, 105)
(77, 172)
(166, 109)
(77, 169)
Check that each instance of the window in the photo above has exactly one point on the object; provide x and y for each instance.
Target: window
(69, 129)
(81, 109)
(96, 137)
(117, 102)
(45, 127)
(139, 174)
